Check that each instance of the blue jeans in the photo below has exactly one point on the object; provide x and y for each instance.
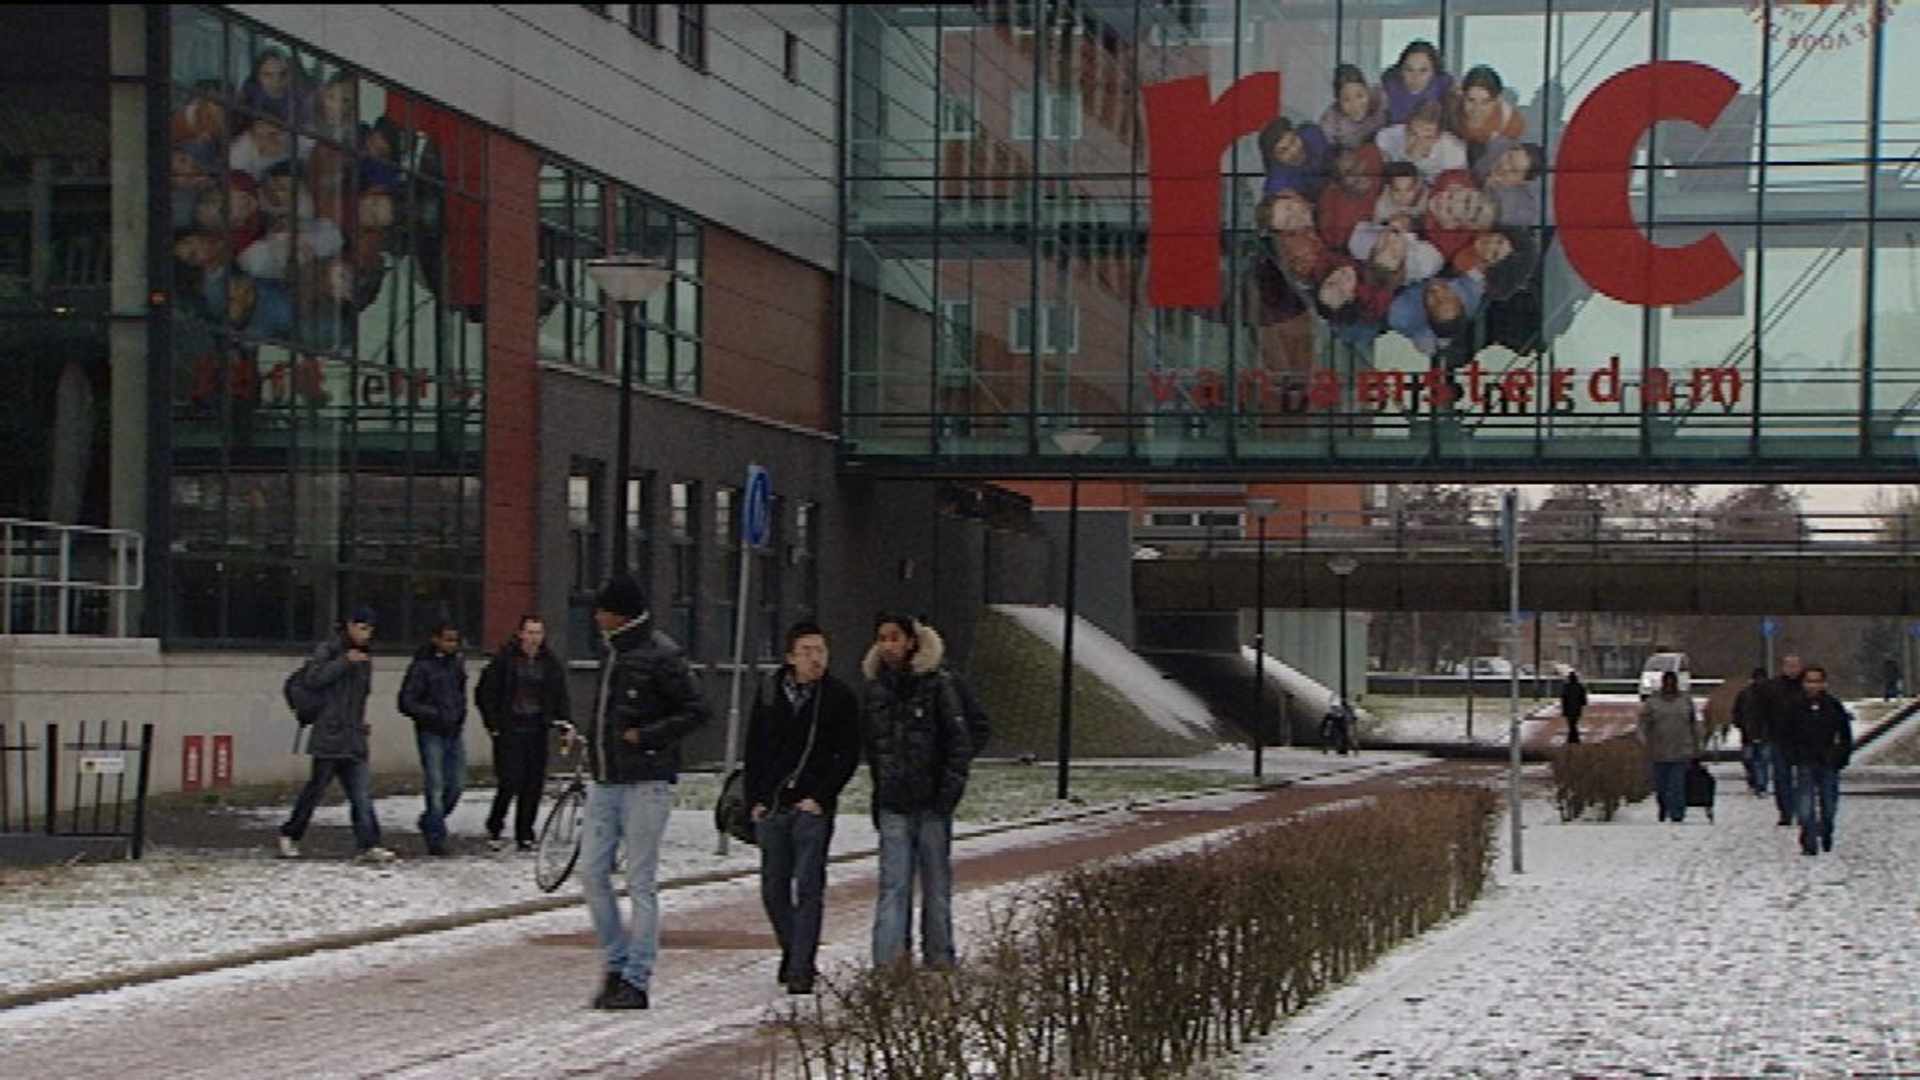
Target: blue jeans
(354, 776)
(1783, 798)
(443, 760)
(1757, 757)
(630, 818)
(1818, 790)
(916, 844)
(793, 882)
(1670, 787)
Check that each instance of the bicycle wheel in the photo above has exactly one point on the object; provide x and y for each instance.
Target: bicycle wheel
(559, 847)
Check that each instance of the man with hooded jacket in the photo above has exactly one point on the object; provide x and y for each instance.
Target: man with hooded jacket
(913, 729)
(341, 672)
(646, 705)
(433, 694)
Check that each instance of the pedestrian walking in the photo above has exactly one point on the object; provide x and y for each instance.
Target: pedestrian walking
(913, 731)
(803, 743)
(1750, 716)
(433, 694)
(647, 704)
(522, 697)
(1818, 741)
(1889, 678)
(1671, 734)
(1783, 697)
(340, 673)
(1573, 702)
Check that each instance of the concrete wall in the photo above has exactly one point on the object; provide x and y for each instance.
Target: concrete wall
(72, 680)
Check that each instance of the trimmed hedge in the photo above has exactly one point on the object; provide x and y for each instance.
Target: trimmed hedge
(1145, 968)
(1602, 775)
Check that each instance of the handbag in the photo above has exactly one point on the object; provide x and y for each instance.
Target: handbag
(731, 815)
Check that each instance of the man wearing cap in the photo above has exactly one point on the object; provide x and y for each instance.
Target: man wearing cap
(647, 703)
(341, 672)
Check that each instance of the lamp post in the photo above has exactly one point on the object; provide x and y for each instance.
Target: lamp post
(1343, 567)
(1260, 508)
(627, 280)
(1076, 443)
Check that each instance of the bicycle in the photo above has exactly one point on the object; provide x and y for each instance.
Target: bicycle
(558, 849)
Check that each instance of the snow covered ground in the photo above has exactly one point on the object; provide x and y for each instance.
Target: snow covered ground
(1164, 701)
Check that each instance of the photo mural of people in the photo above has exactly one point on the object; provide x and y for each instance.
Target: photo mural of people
(1411, 206)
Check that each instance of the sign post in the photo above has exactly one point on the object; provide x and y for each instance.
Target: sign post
(1510, 542)
(756, 520)
(1769, 627)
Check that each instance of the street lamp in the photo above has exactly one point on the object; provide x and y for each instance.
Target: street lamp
(1076, 443)
(1343, 566)
(627, 280)
(1260, 508)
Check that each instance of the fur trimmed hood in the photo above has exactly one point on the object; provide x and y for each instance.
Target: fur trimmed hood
(927, 656)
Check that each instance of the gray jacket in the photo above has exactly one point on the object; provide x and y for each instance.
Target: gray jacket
(340, 729)
(1668, 728)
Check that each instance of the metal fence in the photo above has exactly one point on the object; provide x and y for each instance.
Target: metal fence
(105, 791)
(68, 579)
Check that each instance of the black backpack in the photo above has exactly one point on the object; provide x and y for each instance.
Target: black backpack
(305, 701)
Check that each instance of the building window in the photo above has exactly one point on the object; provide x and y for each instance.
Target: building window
(767, 558)
(667, 352)
(684, 524)
(790, 57)
(806, 550)
(1059, 114)
(639, 536)
(644, 21)
(693, 35)
(954, 355)
(957, 116)
(726, 534)
(586, 486)
(1059, 327)
(571, 232)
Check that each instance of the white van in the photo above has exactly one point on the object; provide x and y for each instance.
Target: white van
(1658, 665)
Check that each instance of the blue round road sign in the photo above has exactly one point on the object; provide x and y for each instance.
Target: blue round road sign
(1768, 627)
(758, 519)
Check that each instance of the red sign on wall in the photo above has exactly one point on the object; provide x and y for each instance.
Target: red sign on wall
(192, 762)
(222, 761)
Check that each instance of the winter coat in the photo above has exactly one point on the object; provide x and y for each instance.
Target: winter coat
(1573, 698)
(1818, 731)
(1668, 728)
(1782, 697)
(434, 692)
(809, 753)
(645, 686)
(1751, 713)
(913, 731)
(340, 727)
(499, 685)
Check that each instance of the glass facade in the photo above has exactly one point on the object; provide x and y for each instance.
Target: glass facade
(1383, 236)
(326, 339)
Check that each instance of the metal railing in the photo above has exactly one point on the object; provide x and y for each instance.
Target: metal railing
(1421, 531)
(68, 579)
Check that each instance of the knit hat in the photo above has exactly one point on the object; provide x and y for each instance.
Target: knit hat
(363, 613)
(621, 595)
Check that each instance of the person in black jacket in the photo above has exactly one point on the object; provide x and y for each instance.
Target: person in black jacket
(1750, 716)
(433, 694)
(803, 743)
(522, 696)
(1784, 693)
(1817, 740)
(647, 704)
(341, 669)
(913, 730)
(1573, 702)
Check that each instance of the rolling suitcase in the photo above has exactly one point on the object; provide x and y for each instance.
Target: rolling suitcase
(1700, 785)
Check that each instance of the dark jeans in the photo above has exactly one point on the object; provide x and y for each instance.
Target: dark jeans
(793, 882)
(443, 764)
(1573, 728)
(1759, 760)
(520, 772)
(353, 775)
(1670, 788)
(1783, 799)
(1818, 790)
